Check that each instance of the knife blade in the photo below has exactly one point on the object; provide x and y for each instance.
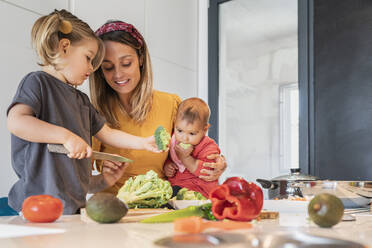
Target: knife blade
(56, 148)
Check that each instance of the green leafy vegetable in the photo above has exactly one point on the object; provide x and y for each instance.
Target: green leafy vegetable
(145, 191)
(185, 194)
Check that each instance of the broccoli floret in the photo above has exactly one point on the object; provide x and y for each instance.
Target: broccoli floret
(185, 194)
(184, 146)
(162, 138)
(180, 194)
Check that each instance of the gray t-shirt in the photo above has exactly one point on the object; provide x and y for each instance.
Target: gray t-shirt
(42, 172)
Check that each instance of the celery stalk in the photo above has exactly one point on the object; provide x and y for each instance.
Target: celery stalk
(203, 211)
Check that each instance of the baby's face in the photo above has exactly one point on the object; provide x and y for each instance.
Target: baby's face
(189, 133)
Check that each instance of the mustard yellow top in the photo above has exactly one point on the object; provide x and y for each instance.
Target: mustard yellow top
(163, 112)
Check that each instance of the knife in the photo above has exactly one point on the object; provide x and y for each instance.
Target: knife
(96, 155)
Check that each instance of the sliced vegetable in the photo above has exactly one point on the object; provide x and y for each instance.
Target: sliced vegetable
(42, 208)
(203, 211)
(236, 199)
(195, 224)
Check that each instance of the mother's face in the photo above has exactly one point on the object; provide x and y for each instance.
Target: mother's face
(121, 67)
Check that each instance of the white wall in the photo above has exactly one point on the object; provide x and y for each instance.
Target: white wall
(170, 28)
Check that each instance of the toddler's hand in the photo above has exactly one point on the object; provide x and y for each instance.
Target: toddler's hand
(149, 144)
(113, 171)
(170, 169)
(77, 147)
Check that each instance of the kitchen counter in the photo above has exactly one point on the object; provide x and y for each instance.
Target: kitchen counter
(76, 233)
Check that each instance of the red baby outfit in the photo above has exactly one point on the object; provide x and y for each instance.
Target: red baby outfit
(191, 181)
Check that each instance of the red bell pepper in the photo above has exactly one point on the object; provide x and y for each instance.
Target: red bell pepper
(236, 199)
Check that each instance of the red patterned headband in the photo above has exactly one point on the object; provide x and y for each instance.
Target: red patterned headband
(120, 26)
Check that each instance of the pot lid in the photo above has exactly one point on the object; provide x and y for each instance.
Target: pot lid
(295, 175)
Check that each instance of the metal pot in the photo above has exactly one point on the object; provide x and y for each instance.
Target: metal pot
(287, 185)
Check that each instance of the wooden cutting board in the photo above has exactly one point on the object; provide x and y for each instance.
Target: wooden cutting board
(268, 215)
(133, 215)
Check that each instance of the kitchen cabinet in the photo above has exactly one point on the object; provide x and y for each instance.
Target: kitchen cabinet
(339, 89)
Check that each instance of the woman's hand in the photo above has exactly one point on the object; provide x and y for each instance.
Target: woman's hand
(77, 147)
(170, 169)
(217, 168)
(112, 171)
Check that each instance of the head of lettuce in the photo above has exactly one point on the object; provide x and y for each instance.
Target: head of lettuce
(145, 191)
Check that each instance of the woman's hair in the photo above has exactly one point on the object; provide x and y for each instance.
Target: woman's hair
(194, 109)
(105, 99)
(48, 30)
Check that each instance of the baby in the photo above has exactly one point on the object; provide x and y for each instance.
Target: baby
(189, 146)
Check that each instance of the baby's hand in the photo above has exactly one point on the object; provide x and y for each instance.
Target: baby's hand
(182, 152)
(149, 144)
(170, 169)
(77, 147)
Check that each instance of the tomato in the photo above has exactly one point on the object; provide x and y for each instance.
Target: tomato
(42, 208)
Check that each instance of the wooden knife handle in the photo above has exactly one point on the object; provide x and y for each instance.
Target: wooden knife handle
(57, 149)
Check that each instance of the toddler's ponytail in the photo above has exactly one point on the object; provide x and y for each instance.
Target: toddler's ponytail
(50, 29)
(44, 38)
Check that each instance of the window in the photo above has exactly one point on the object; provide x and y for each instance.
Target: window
(256, 53)
(289, 119)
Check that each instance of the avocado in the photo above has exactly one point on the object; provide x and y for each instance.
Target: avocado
(105, 208)
(326, 210)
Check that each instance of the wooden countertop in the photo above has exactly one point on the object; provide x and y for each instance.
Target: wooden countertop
(79, 234)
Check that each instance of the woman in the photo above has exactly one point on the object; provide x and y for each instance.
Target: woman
(122, 90)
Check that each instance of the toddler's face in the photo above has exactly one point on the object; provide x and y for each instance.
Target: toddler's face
(189, 133)
(78, 61)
